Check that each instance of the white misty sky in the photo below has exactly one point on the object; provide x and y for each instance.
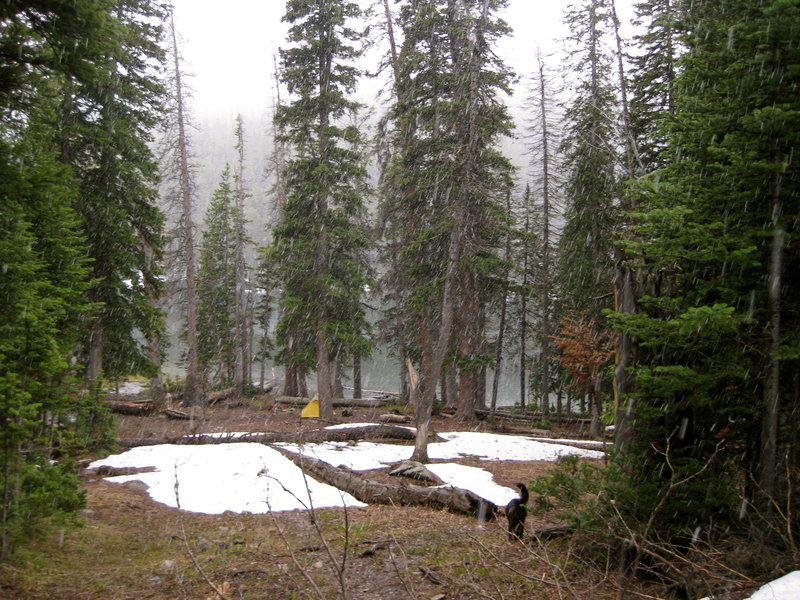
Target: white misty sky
(228, 46)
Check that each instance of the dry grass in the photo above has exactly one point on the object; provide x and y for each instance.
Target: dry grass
(130, 547)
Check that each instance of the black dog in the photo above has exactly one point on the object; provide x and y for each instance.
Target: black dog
(516, 511)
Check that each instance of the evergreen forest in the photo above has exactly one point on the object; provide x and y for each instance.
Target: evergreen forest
(642, 273)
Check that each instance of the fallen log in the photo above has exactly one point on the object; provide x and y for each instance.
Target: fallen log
(375, 492)
(549, 533)
(337, 402)
(511, 416)
(219, 395)
(416, 470)
(316, 436)
(392, 418)
(139, 408)
(176, 414)
(583, 445)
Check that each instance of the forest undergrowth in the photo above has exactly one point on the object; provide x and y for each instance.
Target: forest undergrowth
(125, 545)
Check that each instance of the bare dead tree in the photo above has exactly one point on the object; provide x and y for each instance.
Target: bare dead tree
(192, 394)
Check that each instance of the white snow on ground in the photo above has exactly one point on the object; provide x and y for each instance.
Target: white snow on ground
(475, 480)
(783, 588)
(488, 446)
(212, 479)
(493, 446)
(128, 388)
(244, 477)
(356, 425)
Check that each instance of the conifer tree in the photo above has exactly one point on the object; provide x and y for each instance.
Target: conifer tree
(242, 356)
(715, 379)
(178, 170)
(216, 283)
(448, 181)
(45, 272)
(654, 70)
(105, 127)
(74, 79)
(548, 186)
(590, 161)
(319, 242)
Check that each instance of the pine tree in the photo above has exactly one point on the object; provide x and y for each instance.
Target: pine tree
(106, 125)
(448, 184)
(44, 274)
(241, 371)
(654, 70)
(590, 160)
(718, 329)
(319, 242)
(80, 87)
(548, 193)
(177, 170)
(216, 283)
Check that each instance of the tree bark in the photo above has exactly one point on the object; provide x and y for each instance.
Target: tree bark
(317, 436)
(357, 375)
(498, 354)
(94, 365)
(373, 492)
(544, 384)
(191, 389)
(769, 424)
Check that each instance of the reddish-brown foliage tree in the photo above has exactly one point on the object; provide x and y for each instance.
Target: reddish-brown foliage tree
(584, 350)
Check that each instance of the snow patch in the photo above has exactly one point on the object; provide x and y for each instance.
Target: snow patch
(213, 479)
(477, 481)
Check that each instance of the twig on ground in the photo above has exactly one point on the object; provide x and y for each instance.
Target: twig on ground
(186, 543)
(292, 556)
(338, 567)
(514, 570)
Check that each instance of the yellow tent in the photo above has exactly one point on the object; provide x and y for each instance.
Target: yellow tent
(311, 410)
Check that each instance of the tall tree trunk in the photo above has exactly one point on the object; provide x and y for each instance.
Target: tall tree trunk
(468, 348)
(624, 293)
(498, 355)
(240, 301)
(392, 44)
(523, 319)
(324, 370)
(469, 149)
(94, 364)
(451, 376)
(156, 383)
(191, 392)
(544, 383)
(401, 349)
(357, 375)
(769, 424)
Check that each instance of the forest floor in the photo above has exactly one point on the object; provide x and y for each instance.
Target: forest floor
(130, 547)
